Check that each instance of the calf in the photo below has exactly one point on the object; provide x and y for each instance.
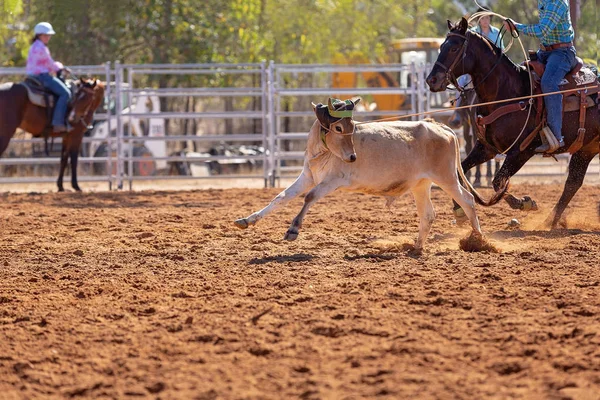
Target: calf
(386, 159)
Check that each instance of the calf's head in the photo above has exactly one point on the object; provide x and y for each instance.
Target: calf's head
(337, 127)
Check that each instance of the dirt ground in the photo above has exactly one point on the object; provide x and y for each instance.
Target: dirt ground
(158, 295)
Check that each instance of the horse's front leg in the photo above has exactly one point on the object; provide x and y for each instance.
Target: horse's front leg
(577, 168)
(513, 163)
(74, 154)
(318, 192)
(64, 157)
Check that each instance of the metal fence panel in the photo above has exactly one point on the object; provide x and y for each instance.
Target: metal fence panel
(281, 99)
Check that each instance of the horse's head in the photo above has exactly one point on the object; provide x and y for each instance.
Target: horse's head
(453, 59)
(337, 127)
(88, 96)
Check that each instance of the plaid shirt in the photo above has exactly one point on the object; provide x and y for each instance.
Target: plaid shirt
(555, 23)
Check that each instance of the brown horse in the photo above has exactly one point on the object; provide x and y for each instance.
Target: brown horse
(17, 111)
(496, 77)
(467, 118)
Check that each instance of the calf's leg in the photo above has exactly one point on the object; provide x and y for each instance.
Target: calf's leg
(422, 195)
(465, 199)
(318, 192)
(303, 183)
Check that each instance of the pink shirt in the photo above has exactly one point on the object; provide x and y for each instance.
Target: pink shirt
(39, 60)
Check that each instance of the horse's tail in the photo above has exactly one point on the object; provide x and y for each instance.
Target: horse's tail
(465, 182)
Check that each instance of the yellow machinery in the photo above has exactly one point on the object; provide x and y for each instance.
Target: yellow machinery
(403, 51)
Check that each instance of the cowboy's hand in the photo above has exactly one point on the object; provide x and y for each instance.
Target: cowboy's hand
(509, 25)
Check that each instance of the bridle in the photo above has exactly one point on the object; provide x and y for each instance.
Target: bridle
(450, 77)
(85, 89)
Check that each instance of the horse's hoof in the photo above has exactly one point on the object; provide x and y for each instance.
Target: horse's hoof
(290, 236)
(461, 216)
(477, 183)
(528, 204)
(241, 223)
(61, 189)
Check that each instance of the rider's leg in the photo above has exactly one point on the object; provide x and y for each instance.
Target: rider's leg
(558, 63)
(57, 87)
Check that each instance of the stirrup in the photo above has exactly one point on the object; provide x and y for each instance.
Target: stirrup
(550, 142)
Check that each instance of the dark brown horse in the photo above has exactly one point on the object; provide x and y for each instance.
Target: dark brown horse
(16, 111)
(466, 117)
(496, 77)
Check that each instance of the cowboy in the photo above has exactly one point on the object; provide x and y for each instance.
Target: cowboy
(41, 65)
(557, 52)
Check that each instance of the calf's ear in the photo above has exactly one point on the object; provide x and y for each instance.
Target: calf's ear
(322, 115)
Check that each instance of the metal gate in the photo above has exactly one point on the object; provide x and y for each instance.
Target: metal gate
(275, 98)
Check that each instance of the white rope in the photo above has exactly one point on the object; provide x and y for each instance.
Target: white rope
(480, 14)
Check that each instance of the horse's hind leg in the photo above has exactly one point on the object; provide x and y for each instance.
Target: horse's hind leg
(7, 131)
(577, 169)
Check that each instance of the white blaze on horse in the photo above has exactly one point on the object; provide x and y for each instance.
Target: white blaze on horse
(386, 159)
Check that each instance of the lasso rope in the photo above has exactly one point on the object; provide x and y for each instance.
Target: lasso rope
(513, 35)
(478, 104)
(480, 14)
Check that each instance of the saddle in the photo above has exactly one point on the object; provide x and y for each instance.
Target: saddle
(38, 94)
(577, 100)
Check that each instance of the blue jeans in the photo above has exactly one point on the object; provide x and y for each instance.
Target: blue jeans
(558, 63)
(57, 87)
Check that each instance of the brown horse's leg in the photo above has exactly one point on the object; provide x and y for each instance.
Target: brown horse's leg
(468, 135)
(74, 154)
(513, 163)
(70, 149)
(577, 169)
(64, 158)
(8, 127)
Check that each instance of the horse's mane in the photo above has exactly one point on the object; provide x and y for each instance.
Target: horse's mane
(495, 49)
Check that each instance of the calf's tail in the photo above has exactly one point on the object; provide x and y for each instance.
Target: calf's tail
(478, 198)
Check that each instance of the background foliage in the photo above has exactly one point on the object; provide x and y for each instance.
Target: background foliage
(287, 31)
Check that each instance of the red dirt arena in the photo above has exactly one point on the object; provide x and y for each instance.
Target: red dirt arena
(158, 295)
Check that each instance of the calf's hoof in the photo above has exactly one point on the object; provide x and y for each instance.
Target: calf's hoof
(415, 252)
(290, 235)
(241, 223)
